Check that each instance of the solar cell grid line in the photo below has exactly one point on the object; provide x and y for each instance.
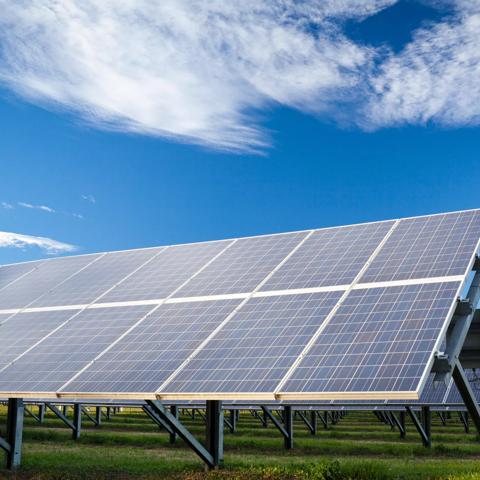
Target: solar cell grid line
(229, 317)
(226, 246)
(54, 360)
(48, 275)
(165, 273)
(254, 350)
(24, 330)
(144, 358)
(243, 266)
(380, 340)
(9, 274)
(429, 246)
(331, 256)
(97, 278)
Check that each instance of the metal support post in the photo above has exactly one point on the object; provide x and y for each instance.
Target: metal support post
(313, 422)
(174, 412)
(214, 430)
(288, 422)
(420, 426)
(13, 444)
(467, 394)
(41, 412)
(98, 415)
(77, 420)
(464, 419)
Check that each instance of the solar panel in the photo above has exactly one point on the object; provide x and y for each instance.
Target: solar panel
(96, 278)
(23, 330)
(55, 360)
(152, 351)
(166, 272)
(36, 283)
(379, 340)
(255, 349)
(432, 246)
(454, 396)
(11, 273)
(331, 256)
(243, 266)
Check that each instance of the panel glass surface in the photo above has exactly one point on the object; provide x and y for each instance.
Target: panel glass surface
(380, 339)
(47, 276)
(59, 357)
(96, 279)
(422, 247)
(10, 273)
(331, 256)
(254, 350)
(243, 266)
(454, 396)
(165, 273)
(23, 330)
(151, 352)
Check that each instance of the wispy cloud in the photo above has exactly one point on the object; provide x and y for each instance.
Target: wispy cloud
(44, 208)
(89, 198)
(202, 72)
(50, 246)
(6, 206)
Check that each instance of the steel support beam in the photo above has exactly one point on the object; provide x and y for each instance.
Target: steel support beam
(72, 425)
(92, 418)
(214, 430)
(288, 422)
(13, 442)
(175, 424)
(98, 416)
(423, 427)
(464, 419)
(307, 422)
(231, 421)
(156, 418)
(77, 420)
(399, 422)
(173, 434)
(41, 412)
(467, 394)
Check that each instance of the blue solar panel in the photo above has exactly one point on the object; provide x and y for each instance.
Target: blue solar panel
(48, 275)
(243, 266)
(379, 340)
(331, 256)
(254, 350)
(153, 350)
(433, 246)
(11, 273)
(97, 278)
(55, 360)
(165, 273)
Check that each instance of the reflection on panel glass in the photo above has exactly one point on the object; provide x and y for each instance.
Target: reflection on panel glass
(97, 278)
(243, 266)
(166, 272)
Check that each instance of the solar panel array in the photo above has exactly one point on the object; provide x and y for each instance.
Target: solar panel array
(343, 312)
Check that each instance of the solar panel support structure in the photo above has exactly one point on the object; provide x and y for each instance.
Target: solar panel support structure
(41, 412)
(423, 425)
(98, 416)
(211, 460)
(173, 434)
(287, 428)
(76, 425)
(12, 445)
(467, 394)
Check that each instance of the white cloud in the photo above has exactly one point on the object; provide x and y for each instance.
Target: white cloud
(44, 208)
(17, 240)
(6, 205)
(203, 71)
(436, 78)
(195, 70)
(89, 198)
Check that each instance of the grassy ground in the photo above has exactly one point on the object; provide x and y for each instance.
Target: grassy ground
(130, 446)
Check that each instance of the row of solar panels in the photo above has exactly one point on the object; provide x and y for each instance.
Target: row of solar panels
(377, 340)
(423, 247)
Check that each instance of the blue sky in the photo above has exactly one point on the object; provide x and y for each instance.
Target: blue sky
(387, 131)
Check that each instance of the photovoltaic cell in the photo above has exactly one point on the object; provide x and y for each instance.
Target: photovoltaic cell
(454, 396)
(331, 256)
(47, 276)
(10, 273)
(165, 273)
(380, 339)
(243, 266)
(433, 246)
(254, 350)
(23, 330)
(59, 357)
(96, 279)
(153, 350)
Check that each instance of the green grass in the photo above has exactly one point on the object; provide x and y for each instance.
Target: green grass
(130, 446)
